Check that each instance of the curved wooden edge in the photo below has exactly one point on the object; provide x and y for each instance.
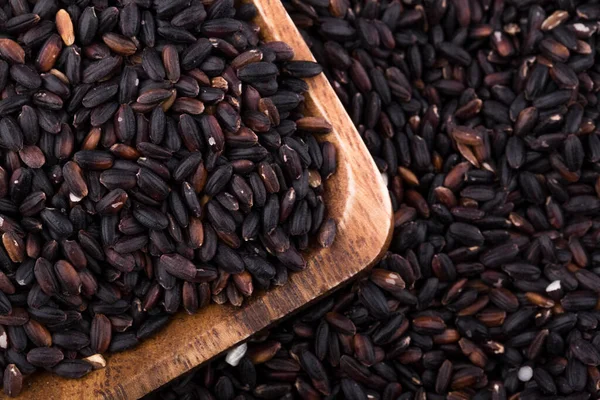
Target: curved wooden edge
(356, 198)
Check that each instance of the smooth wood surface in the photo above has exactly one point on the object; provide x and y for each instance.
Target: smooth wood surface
(356, 198)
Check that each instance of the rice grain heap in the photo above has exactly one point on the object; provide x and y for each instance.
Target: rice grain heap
(483, 117)
(155, 156)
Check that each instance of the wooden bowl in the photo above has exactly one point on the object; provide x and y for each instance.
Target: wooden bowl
(356, 198)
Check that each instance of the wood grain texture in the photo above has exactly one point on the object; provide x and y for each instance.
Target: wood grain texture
(356, 198)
